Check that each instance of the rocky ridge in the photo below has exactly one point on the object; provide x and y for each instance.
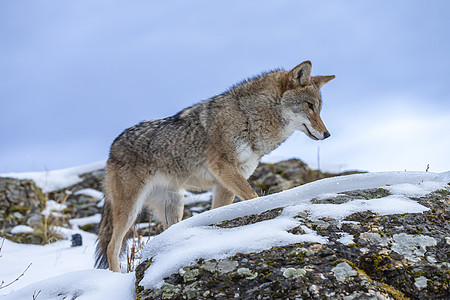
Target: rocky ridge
(369, 256)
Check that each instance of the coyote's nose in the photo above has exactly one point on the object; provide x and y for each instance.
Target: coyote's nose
(326, 134)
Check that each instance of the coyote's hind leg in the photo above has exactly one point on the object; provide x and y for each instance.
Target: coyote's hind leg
(125, 211)
(168, 203)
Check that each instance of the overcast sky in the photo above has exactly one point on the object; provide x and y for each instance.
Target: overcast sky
(74, 74)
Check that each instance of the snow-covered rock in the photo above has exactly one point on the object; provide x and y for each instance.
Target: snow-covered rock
(390, 238)
(49, 181)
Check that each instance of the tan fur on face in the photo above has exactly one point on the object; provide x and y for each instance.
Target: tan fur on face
(216, 143)
(317, 123)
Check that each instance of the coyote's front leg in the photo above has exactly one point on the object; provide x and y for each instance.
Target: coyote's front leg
(228, 174)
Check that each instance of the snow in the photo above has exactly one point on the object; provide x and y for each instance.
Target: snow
(412, 190)
(58, 270)
(76, 223)
(21, 229)
(94, 194)
(397, 204)
(54, 180)
(191, 198)
(91, 193)
(47, 261)
(82, 285)
(213, 242)
(52, 207)
(346, 239)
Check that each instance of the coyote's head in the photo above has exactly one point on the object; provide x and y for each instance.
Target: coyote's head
(302, 101)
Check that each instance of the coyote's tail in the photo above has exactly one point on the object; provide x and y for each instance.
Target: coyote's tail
(105, 232)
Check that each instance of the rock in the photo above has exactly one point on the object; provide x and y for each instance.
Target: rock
(92, 180)
(274, 178)
(343, 271)
(77, 240)
(293, 272)
(247, 273)
(20, 201)
(35, 220)
(421, 282)
(80, 205)
(394, 256)
(412, 247)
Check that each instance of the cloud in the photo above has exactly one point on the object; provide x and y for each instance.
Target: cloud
(84, 71)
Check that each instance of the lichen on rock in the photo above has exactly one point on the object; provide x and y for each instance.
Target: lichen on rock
(395, 256)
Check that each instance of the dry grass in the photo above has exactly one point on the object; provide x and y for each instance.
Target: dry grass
(134, 252)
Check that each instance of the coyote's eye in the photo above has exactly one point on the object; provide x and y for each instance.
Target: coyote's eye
(311, 106)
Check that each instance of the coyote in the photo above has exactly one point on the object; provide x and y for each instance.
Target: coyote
(216, 143)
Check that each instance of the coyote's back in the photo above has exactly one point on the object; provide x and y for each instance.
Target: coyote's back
(216, 143)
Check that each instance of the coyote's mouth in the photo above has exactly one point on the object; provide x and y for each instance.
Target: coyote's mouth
(310, 134)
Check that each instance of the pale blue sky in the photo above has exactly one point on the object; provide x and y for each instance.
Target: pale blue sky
(74, 74)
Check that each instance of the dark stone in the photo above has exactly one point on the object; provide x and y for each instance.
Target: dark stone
(77, 240)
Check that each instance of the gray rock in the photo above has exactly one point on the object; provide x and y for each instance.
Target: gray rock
(413, 247)
(421, 282)
(34, 220)
(293, 272)
(226, 266)
(19, 200)
(343, 271)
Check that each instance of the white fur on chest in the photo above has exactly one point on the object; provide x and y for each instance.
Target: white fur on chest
(248, 160)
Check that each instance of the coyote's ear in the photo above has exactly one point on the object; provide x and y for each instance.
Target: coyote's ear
(301, 73)
(320, 81)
